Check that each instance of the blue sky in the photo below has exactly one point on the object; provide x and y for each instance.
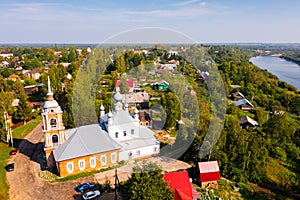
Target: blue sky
(92, 21)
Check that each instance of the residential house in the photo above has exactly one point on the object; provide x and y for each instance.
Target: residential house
(247, 122)
(145, 118)
(30, 89)
(4, 64)
(136, 99)
(35, 73)
(162, 85)
(180, 183)
(209, 174)
(14, 77)
(236, 96)
(244, 104)
(6, 55)
(130, 83)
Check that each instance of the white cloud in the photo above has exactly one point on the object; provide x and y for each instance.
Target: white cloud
(184, 3)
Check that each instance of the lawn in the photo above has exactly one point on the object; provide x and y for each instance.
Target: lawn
(18, 133)
(22, 131)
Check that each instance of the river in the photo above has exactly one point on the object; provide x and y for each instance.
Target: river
(283, 69)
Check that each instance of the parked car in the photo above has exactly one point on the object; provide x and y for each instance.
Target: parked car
(91, 194)
(10, 167)
(84, 186)
(13, 152)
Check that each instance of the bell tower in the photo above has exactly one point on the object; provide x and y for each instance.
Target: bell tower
(53, 128)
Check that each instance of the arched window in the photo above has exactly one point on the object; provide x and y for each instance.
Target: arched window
(53, 123)
(54, 139)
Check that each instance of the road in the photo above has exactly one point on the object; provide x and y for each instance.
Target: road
(24, 182)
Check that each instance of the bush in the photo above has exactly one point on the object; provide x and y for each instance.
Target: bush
(280, 153)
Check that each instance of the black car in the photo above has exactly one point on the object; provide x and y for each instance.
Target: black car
(10, 167)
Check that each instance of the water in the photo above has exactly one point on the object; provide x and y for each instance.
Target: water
(285, 70)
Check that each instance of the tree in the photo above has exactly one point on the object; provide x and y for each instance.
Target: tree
(147, 182)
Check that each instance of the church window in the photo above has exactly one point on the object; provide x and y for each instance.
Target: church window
(124, 133)
(147, 123)
(81, 164)
(53, 123)
(155, 149)
(93, 162)
(70, 167)
(54, 139)
(132, 131)
(117, 134)
(113, 157)
(103, 160)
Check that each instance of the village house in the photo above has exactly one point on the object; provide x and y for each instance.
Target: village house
(181, 185)
(236, 96)
(161, 85)
(35, 73)
(6, 55)
(130, 83)
(145, 118)
(14, 77)
(209, 174)
(135, 99)
(244, 104)
(117, 137)
(247, 122)
(30, 89)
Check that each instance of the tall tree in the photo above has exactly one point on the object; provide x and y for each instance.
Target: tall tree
(147, 182)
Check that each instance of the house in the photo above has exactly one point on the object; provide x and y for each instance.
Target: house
(117, 137)
(130, 83)
(246, 122)
(145, 118)
(135, 99)
(30, 89)
(35, 73)
(6, 55)
(236, 96)
(4, 64)
(180, 183)
(162, 85)
(14, 77)
(209, 174)
(15, 102)
(244, 104)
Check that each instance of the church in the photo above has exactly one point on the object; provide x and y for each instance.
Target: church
(118, 136)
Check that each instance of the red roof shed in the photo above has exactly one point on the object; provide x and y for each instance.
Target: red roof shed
(209, 171)
(179, 182)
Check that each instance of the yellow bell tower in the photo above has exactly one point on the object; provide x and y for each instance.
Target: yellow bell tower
(53, 128)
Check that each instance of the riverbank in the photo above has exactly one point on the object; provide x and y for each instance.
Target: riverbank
(285, 70)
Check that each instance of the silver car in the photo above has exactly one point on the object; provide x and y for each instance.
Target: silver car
(91, 194)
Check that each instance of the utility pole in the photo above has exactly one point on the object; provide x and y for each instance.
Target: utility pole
(8, 129)
(117, 183)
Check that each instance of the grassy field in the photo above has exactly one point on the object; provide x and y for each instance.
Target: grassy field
(18, 133)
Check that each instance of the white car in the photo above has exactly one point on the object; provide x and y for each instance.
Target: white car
(91, 194)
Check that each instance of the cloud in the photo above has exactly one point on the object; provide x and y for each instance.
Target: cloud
(184, 3)
(194, 10)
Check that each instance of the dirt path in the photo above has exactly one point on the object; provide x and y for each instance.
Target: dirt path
(24, 182)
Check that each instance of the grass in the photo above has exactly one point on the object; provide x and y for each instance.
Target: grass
(18, 133)
(4, 155)
(22, 131)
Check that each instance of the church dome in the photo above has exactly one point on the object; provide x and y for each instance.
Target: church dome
(51, 104)
(118, 96)
(109, 114)
(136, 111)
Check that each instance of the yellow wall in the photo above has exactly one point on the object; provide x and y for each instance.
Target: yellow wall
(62, 166)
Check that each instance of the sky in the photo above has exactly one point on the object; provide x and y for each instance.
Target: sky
(206, 21)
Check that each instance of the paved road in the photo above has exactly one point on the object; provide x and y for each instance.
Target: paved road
(24, 181)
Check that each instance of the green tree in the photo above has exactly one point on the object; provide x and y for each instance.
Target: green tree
(147, 182)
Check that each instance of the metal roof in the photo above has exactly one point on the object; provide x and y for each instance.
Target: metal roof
(207, 167)
(83, 141)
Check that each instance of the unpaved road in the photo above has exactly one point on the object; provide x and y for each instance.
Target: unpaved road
(24, 182)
